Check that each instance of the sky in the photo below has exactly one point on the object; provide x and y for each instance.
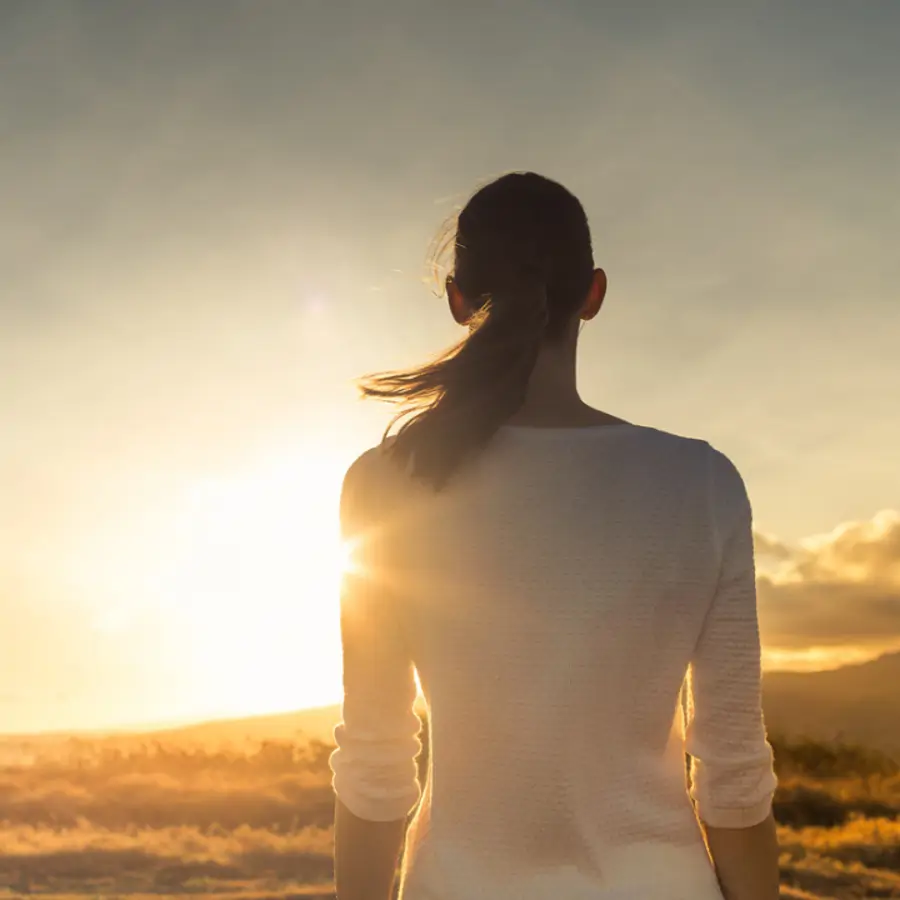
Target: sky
(215, 216)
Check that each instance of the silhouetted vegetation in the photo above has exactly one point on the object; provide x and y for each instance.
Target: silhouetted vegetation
(815, 759)
(90, 817)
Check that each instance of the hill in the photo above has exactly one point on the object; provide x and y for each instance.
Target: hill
(304, 724)
(238, 734)
(858, 703)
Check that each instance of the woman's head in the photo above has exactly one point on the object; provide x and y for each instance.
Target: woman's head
(520, 239)
(522, 277)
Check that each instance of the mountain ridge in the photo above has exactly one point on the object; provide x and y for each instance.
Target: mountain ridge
(857, 703)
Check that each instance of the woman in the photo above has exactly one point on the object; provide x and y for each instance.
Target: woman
(551, 573)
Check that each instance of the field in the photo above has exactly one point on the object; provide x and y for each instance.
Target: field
(85, 817)
(98, 819)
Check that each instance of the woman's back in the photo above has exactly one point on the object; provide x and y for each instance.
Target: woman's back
(550, 585)
(551, 600)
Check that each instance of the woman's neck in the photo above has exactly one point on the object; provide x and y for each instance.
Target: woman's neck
(552, 399)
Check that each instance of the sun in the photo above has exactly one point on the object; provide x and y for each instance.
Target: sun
(253, 589)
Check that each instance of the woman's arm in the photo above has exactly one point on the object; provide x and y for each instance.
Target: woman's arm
(365, 855)
(375, 774)
(732, 773)
(746, 860)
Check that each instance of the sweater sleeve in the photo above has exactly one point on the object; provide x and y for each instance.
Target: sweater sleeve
(732, 773)
(373, 766)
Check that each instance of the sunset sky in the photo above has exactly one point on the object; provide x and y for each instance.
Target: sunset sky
(215, 214)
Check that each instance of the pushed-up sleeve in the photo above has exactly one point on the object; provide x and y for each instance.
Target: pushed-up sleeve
(373, 765)
(732, 774)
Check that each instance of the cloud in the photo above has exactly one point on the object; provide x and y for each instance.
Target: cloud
(857, 550)
(766, 545)
(837, 592)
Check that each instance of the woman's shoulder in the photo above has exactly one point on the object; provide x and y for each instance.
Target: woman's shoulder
(373, 466)
(695, 454)
(672, 443)
(374, 481)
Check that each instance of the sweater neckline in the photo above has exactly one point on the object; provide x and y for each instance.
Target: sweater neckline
(572, 431)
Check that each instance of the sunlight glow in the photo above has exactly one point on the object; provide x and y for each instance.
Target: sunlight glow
(253, 588)
(815, 659)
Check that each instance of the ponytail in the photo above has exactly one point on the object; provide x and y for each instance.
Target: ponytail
(522, 258)
(453, 406)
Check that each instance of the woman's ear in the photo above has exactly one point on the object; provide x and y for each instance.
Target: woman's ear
(596, 294)
(459, 306)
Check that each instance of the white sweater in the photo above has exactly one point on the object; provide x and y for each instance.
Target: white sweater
(552, 600)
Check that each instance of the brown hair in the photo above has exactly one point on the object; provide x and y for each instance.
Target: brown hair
(523, 259)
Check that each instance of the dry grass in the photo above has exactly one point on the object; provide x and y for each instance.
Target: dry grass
(88, 858)
(838, 808)
(160, 818)
(856, 860)
(255, 822)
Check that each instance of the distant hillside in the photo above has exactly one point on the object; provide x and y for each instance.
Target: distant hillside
(858, 703)
(305, 724)
(855, 704)
(299, 727)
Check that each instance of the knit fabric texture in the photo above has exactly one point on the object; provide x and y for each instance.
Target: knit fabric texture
(554, 605)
